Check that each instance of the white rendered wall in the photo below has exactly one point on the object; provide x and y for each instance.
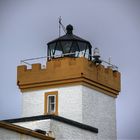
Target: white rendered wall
(61, 131)
(69, 102)
(39, 124)
(64, 131)
(78, 103)
(99, 110)
(6, 134)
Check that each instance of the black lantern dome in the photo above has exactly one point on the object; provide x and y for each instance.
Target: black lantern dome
(69, 45)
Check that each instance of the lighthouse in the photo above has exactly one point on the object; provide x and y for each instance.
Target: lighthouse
(74, 96)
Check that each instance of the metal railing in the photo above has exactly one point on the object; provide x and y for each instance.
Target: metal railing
(77, 54)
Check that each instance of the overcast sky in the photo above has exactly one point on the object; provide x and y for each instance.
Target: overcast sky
(111, 25)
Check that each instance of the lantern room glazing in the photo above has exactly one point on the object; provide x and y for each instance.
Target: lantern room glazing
(69, 45)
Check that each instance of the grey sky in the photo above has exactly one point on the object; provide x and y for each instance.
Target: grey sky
(111, 25)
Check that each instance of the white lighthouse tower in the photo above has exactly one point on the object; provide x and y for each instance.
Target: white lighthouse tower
(74, 96)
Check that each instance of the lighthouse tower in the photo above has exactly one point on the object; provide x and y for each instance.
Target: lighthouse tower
(74, 86)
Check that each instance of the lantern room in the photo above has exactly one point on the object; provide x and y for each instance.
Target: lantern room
(69, 45)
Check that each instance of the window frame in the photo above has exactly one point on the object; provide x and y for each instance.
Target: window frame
(46, 106)
(50, 103)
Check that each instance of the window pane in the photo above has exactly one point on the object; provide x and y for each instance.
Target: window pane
(49, 108)
(51, 48)
(52, 108)
(51, 99)
(51, 103)
(87, 52)
(66, 46)
(58, 50)
(74, 49)
(82, 46)
(58, 46)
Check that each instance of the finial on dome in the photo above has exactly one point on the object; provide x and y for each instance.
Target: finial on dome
(69, 29)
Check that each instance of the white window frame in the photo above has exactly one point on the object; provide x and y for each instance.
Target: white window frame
(49, 104)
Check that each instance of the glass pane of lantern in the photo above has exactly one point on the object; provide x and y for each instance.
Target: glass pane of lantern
(87, 52)
(58, 46)
(66, 46)
(74, 49)
(82, 47)
(58, 50)
(51, 49)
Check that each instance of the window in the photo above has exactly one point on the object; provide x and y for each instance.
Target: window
(51, 103)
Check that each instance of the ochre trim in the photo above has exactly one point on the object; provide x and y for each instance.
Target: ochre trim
(99, 88)
(46, 102)
(25, 131)
(69, 71)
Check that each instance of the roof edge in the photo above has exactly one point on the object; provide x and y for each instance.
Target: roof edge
(23, 130)
(57, 118)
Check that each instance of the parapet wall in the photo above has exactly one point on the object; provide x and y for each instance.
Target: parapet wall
(69, 71)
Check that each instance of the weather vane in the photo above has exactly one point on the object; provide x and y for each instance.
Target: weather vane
(61, 25)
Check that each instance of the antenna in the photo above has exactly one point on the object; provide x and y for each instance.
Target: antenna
(61, 25)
